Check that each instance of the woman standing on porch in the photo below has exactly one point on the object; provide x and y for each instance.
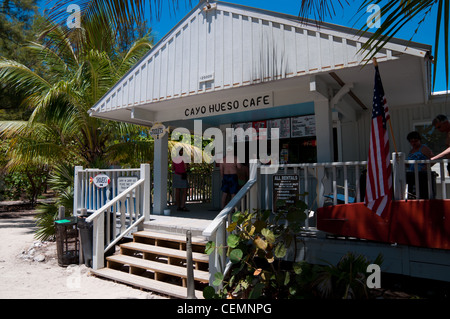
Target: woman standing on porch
(418, 150)
(180, 182)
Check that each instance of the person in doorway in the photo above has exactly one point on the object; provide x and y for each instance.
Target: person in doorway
(180, 182)
(418, 150)
(229, 173)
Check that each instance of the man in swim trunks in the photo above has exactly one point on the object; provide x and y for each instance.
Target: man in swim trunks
(228, 172)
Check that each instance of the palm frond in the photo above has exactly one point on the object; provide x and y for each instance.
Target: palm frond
(398, 13)
(32, 152)
(19, 77)
(56, 39)
(134, 54)
(318, 9)
(121, 14)
(10, 129)
(130, 153)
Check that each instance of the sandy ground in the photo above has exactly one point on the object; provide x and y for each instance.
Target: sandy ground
(22, 277)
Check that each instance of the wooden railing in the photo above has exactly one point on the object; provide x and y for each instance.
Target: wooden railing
(322, 183)
(246, 198)
(113, 218)
(422, 179)
(344, 182)
(200, 188)
(90, 197)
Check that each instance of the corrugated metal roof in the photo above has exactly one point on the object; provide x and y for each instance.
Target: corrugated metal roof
(232, 46)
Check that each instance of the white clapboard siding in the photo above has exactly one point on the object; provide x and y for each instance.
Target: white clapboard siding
(236, 46)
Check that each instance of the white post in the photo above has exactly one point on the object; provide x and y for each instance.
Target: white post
(98, 249)
(320, 173)
(324, 131)
(217, 259)
(146, 196)
(253, 174)
(160, 166)
(76, 190)
(399, 175)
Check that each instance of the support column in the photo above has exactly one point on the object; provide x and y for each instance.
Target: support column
(160, 166)
(77, 196)
(147, 193)
(324, 131)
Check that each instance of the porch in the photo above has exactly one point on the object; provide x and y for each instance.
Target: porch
(178, 222)
(320, 184)
(266, 70)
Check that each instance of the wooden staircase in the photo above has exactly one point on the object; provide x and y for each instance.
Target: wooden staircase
(156, 261)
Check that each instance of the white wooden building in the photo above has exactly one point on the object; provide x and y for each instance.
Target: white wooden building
(231, 52)
(220, 56)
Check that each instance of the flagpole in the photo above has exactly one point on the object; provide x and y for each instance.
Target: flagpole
(375, 63)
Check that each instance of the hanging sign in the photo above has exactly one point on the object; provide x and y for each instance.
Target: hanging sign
(124, 182)
(285, 191)
(100, 180)
(229, 105)
(158, 130)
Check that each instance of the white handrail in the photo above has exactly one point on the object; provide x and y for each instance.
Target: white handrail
(115, 241)
(112, 219)
(111, 170)
(234, 201)
(212, 227)
(98, 219)
(327, 164)
(216, 230)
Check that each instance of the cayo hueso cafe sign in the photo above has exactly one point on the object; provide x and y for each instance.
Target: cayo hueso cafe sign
(237, 104)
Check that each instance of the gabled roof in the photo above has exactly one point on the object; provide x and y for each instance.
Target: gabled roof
(229, 46)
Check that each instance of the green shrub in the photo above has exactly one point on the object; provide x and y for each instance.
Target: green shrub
(258, 245)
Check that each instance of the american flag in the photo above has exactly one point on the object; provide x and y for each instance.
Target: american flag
(379, 170)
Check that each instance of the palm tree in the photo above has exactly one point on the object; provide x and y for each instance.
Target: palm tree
(77, 69)
(395, 14)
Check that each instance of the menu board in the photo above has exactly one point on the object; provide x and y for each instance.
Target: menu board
(300, 126)
(284, 126)
(303, 126)
(244, 126)
(257, 126)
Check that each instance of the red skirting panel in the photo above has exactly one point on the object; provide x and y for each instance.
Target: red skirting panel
(353, 220)
(423, 223)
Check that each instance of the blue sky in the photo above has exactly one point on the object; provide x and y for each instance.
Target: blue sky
(346, 16)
